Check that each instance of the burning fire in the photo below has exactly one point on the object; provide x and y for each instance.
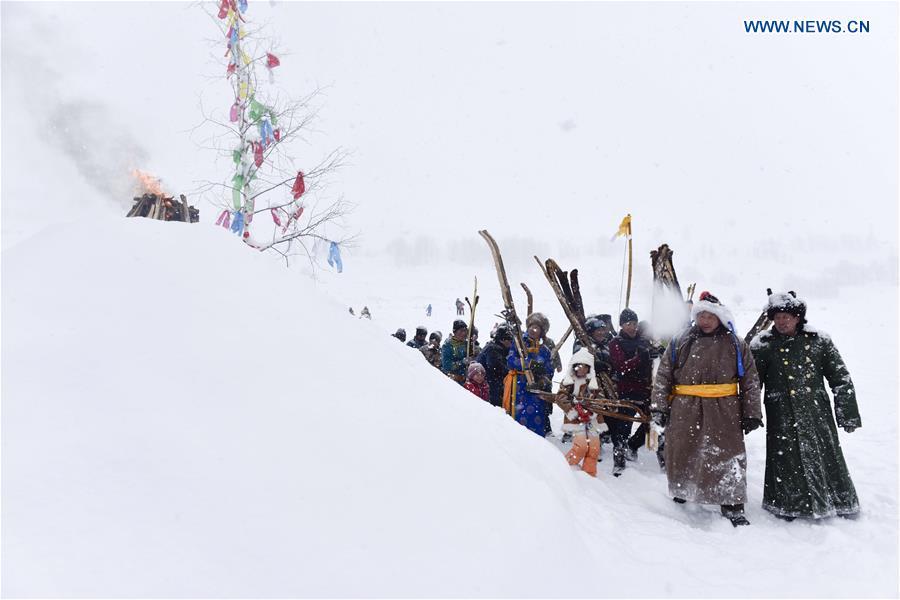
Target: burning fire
(147, 183)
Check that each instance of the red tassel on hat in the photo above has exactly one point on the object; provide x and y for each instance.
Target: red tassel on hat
(299, 187)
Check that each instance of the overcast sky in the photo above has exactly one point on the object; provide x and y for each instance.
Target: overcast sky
(549, 119)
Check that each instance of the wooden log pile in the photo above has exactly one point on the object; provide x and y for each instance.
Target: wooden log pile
(164, 208)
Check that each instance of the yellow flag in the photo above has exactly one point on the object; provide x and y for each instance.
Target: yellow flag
(624, 227)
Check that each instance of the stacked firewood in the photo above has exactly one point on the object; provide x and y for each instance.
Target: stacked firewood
(164, 208)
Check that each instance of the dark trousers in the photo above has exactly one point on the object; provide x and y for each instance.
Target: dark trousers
(496, 389)
(619, 430)
(640, 436)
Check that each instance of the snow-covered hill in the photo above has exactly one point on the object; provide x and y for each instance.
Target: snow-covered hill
(183, 417)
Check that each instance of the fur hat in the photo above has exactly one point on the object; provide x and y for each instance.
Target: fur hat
(592, 325)
(459, 324)
(593, 322)
(474, 367)
(420, 330)
(540, 320)
(709, 303)
(436, 335)
(582, 357)
(502, 332)
(627, 315)
(786, 303)
(400, 334)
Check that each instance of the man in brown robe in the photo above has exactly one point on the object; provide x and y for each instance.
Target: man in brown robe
(706, 394)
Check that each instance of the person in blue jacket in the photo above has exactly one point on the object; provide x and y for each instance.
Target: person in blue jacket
(453, 353)
(528, 408)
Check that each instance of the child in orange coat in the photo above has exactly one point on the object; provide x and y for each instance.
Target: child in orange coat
(580, 384)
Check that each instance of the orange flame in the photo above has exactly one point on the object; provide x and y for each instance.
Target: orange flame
(147, 183)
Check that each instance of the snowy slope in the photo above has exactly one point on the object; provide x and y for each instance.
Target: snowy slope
(254, 439)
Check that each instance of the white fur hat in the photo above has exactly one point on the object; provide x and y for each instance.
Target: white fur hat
(582, 357)
(709, 303)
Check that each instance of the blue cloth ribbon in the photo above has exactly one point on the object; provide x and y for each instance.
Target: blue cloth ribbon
(266, 134)
(237, 225)
(334, 257)
(242, 5)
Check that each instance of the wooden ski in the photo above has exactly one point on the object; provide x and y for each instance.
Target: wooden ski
(603, 406)
(509, 312)
(530, 299)
(472, 305)
(552, 272)
(569, 296)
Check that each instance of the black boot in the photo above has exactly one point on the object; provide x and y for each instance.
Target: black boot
(618, 461)
(630, 454)
(785, 518)
(661, 451)
(636, 441)
(678, 500)
(735, 514)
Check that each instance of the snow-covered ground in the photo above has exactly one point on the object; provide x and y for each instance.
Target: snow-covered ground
(185, 417)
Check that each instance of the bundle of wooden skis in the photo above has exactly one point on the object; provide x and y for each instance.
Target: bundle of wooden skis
(762, 323)
(663, 269)
(600, 406)
(568, 292)
(509, 309)
(567, 289)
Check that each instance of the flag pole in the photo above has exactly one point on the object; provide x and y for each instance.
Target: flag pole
(628, 289)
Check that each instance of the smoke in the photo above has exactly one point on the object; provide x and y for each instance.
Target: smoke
(84, 128)
(670, 313)
(104, 152)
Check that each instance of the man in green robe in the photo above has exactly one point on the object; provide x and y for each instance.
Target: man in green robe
(806, 475)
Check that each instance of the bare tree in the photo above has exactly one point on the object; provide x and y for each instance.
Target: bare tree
(267, 200)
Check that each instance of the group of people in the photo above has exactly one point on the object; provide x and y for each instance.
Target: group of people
(703, 399)
(364, 313)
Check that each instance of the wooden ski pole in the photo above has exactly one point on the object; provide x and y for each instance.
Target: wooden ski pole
(559, 344)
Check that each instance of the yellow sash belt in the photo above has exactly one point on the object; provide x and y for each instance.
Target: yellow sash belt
(510, 389)
(706, 390)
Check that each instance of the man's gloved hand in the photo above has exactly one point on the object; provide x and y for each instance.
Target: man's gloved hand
(538, 370)
(849, 428)
(659, 417)
(748, 424)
